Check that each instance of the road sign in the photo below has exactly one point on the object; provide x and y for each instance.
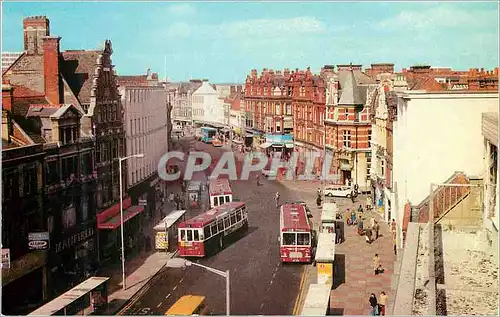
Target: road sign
(5, 258)
(143, 202)
(38, 240)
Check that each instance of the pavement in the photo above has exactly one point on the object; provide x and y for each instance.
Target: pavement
(354, 278)
(260, 284)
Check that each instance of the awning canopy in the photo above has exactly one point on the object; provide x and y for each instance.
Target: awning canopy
(169, 220)
(114, 222)
(265, 145)
(289, 145)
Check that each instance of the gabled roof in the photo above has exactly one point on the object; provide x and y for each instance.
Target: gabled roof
(206, 89)
(21, 105)
(78, 69)
(62, 110)
(351, 93)
(41, 110)
(139, 80)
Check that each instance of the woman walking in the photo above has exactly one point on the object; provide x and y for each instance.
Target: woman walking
(382, 302)
(373, 304)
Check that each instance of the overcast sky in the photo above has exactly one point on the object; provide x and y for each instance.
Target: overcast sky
(223, 41)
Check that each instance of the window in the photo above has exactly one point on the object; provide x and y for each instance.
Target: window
(233, 219)
(368, 166)
(220, 225)
(289, 239)
(52, 172)
(278, 126)
(369, 138)
(288, 109)
(278, 109)
(206, 232)
(86, 164)
(213, 229)
(303, 238)
(196, 235)
(183, 234)
(227, 199)
(346, 113)
(238, 216)
(69, 216)
(85, 207)
(382, 168)
(347, 139)
(189, 235)
(221, 200)
(227, 224)
(8, 185)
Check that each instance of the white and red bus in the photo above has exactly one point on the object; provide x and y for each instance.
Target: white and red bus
(220, 192)
(207, 233)
(296, 234)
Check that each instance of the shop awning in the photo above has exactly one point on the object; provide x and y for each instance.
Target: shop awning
(265, 145)
(169, 220)
(289, 145)
(114, 222)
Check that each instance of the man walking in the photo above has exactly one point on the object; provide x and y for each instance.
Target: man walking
(277, 198)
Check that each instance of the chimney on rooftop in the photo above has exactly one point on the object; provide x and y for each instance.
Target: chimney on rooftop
(7, 96)
(34, 29)
(51, 69)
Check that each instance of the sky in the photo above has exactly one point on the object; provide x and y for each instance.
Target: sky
(224, 41)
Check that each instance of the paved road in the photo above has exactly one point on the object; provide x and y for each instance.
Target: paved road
(260, 284)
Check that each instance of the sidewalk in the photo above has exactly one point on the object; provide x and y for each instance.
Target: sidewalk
(354, 278)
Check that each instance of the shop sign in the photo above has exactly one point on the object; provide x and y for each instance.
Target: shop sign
(5, 258)
(38, 240)
(143, 202)
(74, 239)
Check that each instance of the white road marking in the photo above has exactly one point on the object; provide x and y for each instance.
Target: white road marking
(182, 279)
(261, 305)
(167, 296)
(274, 275)
(158, 306)
(175, 287)
(271, 282)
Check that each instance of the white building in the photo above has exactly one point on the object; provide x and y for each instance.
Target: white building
(146, 128)
(435, 135)
(207, 106)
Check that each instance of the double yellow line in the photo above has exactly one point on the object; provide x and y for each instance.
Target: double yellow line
(301, 290)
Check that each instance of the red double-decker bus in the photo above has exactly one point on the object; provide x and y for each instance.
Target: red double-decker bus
(206, 233)
(296, 239)
(220, 192)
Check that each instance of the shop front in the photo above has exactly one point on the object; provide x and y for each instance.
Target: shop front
(72, 257)
(281, 144)
(160, 193)
(109, 224)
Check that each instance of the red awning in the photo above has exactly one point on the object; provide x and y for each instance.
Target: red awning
(114, 222)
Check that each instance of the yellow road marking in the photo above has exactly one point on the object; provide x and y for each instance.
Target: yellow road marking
(299, 295)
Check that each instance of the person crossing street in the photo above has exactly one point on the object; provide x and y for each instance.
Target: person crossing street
(277, 198)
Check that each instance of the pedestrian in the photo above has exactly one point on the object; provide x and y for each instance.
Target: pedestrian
(277, 198)
(372, 222)
(352, 196)
(394, 244)
(377, 228)
(360, 226)
(338, 235)
(368, 235)
(353, 217)
(360, 208)
(373, 304)
(148, 243)
(377, 265)
(258, 180)
(382, 302)
(393, 227)
(171, 197)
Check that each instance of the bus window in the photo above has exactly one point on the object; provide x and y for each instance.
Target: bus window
(244, 212)
(220, 225)
(233, 219)
(183, 234)
(213, 229)
(227, 199)
(238, 215)
(206, 232)
(215, 201)
(303, 239)
(289, 239)
(221, 200)
(227, 224)
(196, 235)
(189, 235)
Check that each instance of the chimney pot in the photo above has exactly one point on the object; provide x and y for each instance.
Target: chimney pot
(51, 69)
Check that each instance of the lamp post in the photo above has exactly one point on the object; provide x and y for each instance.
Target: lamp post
(120, 160)
(180, 263)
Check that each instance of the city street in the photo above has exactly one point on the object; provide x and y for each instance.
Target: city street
(260, 284)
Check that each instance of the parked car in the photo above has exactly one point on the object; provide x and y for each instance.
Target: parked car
(269, 173)
(343, 191)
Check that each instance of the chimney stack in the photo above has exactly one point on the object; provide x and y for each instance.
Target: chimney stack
(35, 29)
(51, 69)
(7, 96)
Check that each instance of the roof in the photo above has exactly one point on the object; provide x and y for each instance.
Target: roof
(351, 93)
(41, 110)
(211, 215)
(78, 69)
(21, 106)
(62, 110)
(169, 220)
(326, 247)
(489, 127)
(186, 305)
(69, 297)
(219, 187)
(293, 216)
(329, 212)
(205, 89)
(138, 80)
(317, 300)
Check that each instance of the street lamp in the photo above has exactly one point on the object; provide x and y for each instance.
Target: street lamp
(120, 160)
(180, 263)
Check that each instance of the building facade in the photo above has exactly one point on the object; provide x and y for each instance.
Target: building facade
(208, 108)
(146, 129)
(181, 99)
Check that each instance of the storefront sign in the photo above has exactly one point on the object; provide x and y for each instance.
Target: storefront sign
(143, 202)
(5, 258)
(74, 239)
(38, 240)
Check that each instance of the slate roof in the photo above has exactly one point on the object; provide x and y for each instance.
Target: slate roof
(78, 69)
(351, 93)
(21, 105)
(41, 110)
